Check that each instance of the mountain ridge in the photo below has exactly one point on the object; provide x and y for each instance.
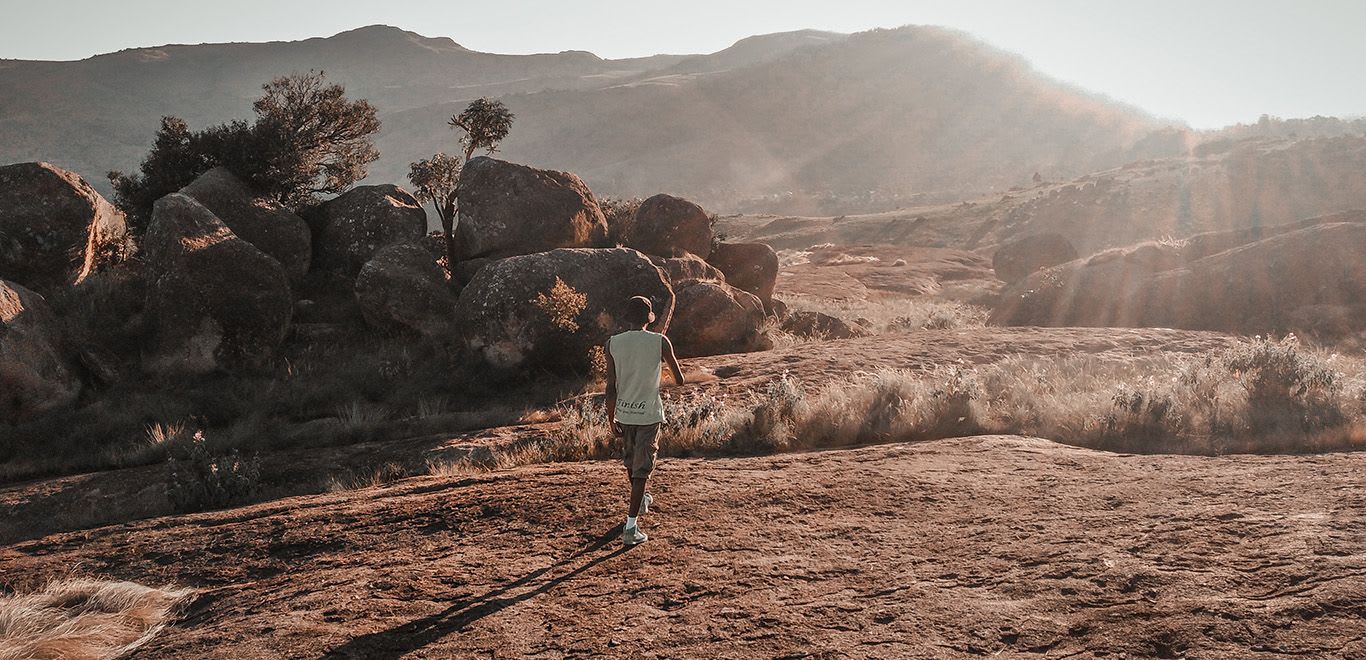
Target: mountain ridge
(933, 110)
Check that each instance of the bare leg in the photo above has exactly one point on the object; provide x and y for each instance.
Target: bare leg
(637, 494)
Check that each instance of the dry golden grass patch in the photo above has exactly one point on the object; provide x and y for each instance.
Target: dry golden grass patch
(1261, 396)
(78, 618)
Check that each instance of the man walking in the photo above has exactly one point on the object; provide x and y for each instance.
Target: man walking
(634, 407)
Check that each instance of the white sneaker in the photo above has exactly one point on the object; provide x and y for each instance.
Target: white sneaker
(645, 504)
(633, 536)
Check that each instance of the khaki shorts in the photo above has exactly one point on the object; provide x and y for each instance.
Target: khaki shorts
(641, 445)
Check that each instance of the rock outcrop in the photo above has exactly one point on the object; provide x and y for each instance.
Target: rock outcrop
(1096, 291)
(751, 267)
(1266, 286)
(54, 228)
(403, 289)
(35, 375)
(1015, 260)
(214, 300)
(553, 309)
(713, 318)
(818, 325)
(687, 267)
(668, 226)
(508, 209)
(264, 223)
(351, 229)
(1313, 277)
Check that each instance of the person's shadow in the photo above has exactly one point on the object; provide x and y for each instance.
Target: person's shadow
(411, 636)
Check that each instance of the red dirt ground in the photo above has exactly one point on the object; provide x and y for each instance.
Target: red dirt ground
(965, 547)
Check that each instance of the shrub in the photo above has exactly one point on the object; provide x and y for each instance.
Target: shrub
(204, 481)
(1287, 388)
(774, 418)
(561, 305)
(618, 211)
(308, 139)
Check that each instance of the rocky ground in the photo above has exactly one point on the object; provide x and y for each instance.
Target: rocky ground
(41, 507)
(972, 546)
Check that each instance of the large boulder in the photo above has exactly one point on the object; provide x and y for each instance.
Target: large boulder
(552, 309)
(751, 267)
(403, 289)
(264, 223)
(35, 374)
(1015, 261)
(713, 318)
(818, 325)
(54, 228)
(1096, 291)
(214, 300)
(352, 228)
(687, 267)
(668, 226)
(1272, 285)
(508, 209)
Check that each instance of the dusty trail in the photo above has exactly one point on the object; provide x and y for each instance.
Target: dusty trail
(962, 547)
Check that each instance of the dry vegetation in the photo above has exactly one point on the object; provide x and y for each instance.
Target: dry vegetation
(75, 619)
(1261, 396)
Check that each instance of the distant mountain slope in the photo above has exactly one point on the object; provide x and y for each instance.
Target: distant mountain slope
(1226, 185)
(916, 109)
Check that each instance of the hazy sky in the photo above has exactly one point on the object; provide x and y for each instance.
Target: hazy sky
(1207, 62)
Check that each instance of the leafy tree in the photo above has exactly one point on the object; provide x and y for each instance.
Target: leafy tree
(308, 139)
(435, 180)
(485, 123)
(311, 138)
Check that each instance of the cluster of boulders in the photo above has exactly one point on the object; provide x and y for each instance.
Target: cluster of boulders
(1305, 277)
(225, 275)
(522, 230)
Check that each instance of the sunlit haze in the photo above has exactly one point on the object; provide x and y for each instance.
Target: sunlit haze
(1208, 63)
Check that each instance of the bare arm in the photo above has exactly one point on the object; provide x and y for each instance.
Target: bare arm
(611, 402)
(666, 353)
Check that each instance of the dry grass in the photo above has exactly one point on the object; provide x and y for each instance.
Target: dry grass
(1258, 397)
(80, 618)
(895, 314)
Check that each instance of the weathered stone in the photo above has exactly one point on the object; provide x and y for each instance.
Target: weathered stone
(818, 325)
(403, 289)
(508, 209)
(215, 301)
(265, 224)
(687, 267)
(713, 318)
(668, 226)
(751, 267)
(54, 228)
(351, 229)
(1015, 261)
(35, 374)
(513, 314)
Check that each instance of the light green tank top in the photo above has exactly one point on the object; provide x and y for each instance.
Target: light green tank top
(636, 354)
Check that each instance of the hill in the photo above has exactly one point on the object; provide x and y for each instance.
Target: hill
(972, 546)
(916, 109)
(1222, 185)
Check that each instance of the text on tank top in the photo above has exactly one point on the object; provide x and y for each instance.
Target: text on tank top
(636, 354)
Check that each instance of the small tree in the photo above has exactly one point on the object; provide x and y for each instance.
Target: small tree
(485, 123)
(313, 140)
(435, 180)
